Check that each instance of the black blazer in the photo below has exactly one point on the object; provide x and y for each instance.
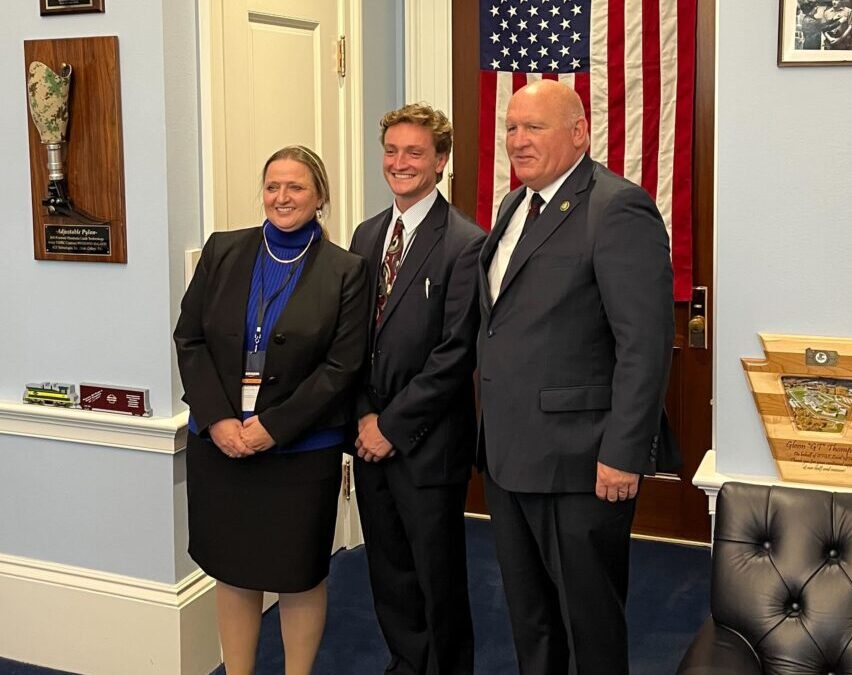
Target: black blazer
(420, 375)
(313, 356)
(574, 355)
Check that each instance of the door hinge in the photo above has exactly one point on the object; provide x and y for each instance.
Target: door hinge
(341, 56)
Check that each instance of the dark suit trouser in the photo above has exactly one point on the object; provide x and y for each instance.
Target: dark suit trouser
(418, 569)
(565, 562)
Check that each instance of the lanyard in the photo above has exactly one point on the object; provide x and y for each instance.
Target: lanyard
(261, 306)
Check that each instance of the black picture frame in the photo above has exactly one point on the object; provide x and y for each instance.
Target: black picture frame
(815, 33)
(52, 7)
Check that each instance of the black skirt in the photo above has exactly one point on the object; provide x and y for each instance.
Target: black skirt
(264, 522)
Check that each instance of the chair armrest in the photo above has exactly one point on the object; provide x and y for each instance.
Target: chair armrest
(719, 651)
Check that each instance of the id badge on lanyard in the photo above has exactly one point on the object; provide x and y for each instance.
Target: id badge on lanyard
(253, 373)
(252, 377)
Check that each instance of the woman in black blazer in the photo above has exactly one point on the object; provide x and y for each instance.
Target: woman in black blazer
(271, 335)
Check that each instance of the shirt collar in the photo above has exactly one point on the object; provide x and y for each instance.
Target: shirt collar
(415, 215)
(549, 191)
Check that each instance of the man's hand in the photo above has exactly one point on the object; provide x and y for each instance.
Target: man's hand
(226, 434)
(371, 444)
(255, 436)
(615, 485)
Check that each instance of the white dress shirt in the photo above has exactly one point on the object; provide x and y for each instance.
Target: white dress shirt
(411, 220)
(509, 240)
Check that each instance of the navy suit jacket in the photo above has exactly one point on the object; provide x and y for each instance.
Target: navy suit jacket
(574, 355)
(419, 374)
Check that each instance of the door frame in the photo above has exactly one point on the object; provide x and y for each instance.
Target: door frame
(210, 86)
(429, 62)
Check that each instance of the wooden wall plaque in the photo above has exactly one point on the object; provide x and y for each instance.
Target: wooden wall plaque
(94, 156)
(803, 393)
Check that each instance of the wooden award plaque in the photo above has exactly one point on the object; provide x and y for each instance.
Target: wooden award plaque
(803, 392)
(93, 156)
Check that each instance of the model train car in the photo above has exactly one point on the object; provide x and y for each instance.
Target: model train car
(56, 394)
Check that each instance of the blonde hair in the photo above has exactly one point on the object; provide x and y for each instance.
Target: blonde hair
(314, 164)
(422, 115)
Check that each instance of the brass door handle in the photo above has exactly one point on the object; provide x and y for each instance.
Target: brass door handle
(697, 325)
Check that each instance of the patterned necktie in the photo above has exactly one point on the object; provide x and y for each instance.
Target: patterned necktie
(532, 213)
(390, 266)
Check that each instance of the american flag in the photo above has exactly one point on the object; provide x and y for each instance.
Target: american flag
(633, 64)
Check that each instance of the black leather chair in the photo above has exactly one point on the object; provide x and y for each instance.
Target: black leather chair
(781, 590)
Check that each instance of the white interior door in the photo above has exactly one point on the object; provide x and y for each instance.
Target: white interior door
(276, 83)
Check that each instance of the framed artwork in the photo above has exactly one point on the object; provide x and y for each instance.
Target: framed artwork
(50, 7)
(815, 33)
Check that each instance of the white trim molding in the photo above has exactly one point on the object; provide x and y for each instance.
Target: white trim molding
(429, 59)
(88, 621)
(711, 481)
(351, 113)
(150, 434)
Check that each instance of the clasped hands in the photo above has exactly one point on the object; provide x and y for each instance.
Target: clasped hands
(240, 439)
(371, 444)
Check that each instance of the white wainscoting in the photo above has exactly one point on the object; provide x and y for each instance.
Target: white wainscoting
(93, 622)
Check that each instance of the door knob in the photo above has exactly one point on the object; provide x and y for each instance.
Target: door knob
(698, 318)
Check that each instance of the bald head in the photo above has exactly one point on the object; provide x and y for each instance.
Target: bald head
(546, 132)
(564, 101)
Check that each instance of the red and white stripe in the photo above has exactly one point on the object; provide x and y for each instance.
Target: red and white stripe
(638, 100)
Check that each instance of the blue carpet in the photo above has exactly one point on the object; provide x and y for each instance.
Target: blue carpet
(669, 599)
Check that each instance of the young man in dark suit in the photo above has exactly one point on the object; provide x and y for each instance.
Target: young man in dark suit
(416, 428)
(574, 354)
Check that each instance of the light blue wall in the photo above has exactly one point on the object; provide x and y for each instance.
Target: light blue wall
(383, 30)
(114, 510)
(93, 321)
(92, 507)
(784, 223)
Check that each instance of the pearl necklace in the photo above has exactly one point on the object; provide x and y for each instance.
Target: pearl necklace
(292, 260)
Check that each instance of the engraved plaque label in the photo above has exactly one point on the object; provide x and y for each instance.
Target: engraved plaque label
(77, 239)
(821, 357)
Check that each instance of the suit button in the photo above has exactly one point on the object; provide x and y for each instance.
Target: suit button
(279, 338)
(272, 379)
(490, 332)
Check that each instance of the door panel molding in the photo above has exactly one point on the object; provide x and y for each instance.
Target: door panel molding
(348, 209)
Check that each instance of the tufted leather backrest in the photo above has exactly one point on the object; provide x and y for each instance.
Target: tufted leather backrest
(782, 576)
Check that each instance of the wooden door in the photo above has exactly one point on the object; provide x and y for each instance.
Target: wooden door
(669, 505)
(278, 85)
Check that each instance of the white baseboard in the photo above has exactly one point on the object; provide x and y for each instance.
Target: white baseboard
(93, 622)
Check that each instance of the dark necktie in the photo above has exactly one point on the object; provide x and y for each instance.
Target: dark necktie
(532, 213)
(390, 266)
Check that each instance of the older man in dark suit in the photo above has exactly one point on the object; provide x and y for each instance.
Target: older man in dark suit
(417, 426)
(574, 354)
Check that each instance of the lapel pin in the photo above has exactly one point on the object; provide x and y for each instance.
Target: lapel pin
(564, 206)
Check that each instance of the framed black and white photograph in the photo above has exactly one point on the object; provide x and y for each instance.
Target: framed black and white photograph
(815, 33)
(50, 7)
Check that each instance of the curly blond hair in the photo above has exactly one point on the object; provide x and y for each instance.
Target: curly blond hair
(423, 115)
